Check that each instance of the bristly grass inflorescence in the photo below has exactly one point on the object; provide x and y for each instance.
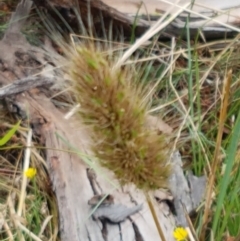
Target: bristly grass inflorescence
(113, 106)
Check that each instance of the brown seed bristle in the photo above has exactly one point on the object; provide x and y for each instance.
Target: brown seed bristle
(112, 105)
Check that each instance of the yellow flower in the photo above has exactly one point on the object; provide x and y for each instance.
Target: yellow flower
(180, 234)
(30, 172)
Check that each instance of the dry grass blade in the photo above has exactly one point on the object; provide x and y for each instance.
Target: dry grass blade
(25, 167)
(211, 19)
(190, 229)
(151, 207)
(27, 231)
(169, 68)
(216, 159)
(156, 28)
(8, 231)
(17, 222)
(44, 225)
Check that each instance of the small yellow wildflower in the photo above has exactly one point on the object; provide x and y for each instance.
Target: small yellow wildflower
(30, 172)
(180, 234)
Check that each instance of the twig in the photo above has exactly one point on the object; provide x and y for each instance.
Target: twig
(24, 85)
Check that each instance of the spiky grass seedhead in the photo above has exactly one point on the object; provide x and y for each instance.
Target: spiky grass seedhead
(112, 105)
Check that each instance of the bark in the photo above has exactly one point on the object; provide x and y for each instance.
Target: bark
(26, 84)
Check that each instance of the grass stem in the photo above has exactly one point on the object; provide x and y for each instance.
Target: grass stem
(25, 167)
(153, 212)
(215, 164)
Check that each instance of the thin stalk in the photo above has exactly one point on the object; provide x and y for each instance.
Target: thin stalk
(24, 178)
(197, 164)
(156, 28)
(216, 159)
(153, 212)
(190, 87)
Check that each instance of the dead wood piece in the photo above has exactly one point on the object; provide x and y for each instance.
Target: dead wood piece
(16, 108)
(73, 190)
(13, 38)
(95, 8)
(92, 177)
(197, 186)
(18, 18)
(115, 213)
(187, 192)
(211, 19)
(115, 14)
(101, 200)
(107, 209)
(67, 174)
(26, 84)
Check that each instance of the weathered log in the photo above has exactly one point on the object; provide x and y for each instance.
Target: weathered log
(26, 84)
(209, 19)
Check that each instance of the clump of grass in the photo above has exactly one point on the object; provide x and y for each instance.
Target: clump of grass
(27, 208)
(197, 113)
(114, 107)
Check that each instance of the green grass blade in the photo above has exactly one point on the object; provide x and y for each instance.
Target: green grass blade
(230, 157)
(9, 134)
(133, 37)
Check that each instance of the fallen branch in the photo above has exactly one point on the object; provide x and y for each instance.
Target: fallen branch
(24, 85)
